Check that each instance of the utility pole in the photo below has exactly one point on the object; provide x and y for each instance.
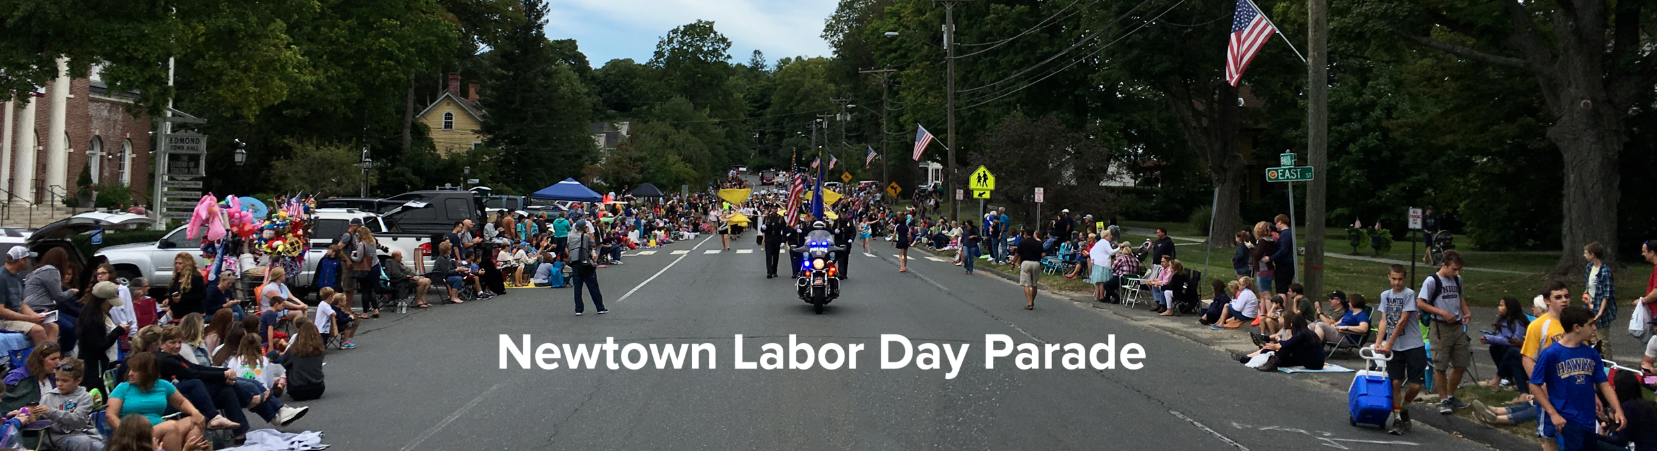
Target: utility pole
(949, 104)
(1317, 138)
(885, 109)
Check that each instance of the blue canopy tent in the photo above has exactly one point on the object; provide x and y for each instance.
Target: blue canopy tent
(568, 190)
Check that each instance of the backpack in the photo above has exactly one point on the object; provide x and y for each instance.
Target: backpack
(1432, 298)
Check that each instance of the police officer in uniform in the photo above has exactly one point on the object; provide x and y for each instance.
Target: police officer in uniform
(844, 230)
(774, 230)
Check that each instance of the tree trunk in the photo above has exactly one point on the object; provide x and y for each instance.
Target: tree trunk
(1589, 144)
(1209, 118)
(408, 117)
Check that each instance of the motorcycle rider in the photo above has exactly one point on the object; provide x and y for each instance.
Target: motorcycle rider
(819, 232)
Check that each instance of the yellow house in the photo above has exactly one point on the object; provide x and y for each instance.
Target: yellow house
(455, 123)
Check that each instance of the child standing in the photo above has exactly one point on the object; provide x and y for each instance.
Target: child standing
(1564, 379)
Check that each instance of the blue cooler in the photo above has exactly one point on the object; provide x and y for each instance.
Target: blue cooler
(1369, 399)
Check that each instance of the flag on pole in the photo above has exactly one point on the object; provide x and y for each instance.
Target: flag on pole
(816, 162)
(922, 138)
(817, 199)
(1249, 32)
(832, 161)
(870, 158)
(794, 195)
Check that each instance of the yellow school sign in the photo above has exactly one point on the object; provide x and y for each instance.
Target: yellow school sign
(981, 182)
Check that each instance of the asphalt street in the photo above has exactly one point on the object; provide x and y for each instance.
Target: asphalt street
(433, 379)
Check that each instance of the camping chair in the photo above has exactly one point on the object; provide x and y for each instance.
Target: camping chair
(1051, 264)
(1346, 341)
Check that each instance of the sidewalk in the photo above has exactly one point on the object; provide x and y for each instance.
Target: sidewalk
(1388, 261)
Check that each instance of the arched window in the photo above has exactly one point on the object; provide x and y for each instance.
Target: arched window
(94, 159)
(125, 162)
(448, 120)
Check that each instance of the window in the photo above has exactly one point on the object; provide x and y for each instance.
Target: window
(448, 120)
(125, 162)
(94, 159)
(475, 144)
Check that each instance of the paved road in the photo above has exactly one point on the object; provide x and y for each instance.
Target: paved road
(431, 379)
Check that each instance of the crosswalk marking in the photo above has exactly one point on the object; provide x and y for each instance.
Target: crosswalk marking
(744, 251)
(710, 251)
(866, 254)
(681, 252)
(647, 252)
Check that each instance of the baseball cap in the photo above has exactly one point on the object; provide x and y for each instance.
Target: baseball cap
(356, 221)
(109, 291)
(19, 253)
(1338, 294)
(1540, 302)
(1067, 210)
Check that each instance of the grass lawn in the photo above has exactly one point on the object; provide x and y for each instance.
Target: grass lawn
(1484, 289)
(1051, 281)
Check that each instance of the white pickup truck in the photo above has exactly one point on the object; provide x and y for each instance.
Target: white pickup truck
(154, 261)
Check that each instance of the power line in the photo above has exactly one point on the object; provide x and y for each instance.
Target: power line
(1085, 40)
(1078, 60)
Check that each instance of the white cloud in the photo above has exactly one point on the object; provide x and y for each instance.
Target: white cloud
(608, 29)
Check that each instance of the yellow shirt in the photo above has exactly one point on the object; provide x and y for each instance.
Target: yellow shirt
(1542, 333)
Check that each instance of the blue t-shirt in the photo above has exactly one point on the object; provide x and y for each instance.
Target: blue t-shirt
(267, 320)
(151, 404)
(1570, 374)
(1354, 319)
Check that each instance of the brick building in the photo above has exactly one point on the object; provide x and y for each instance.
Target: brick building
(95, 129)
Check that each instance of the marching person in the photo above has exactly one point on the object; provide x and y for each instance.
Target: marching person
(775, 231)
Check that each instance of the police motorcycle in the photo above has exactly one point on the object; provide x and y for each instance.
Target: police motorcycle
(818, 283)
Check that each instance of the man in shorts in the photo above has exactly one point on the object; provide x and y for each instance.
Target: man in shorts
(15, 316)
(1027, 256)
(1441, 299)
(1541, 334)
(1400, 334)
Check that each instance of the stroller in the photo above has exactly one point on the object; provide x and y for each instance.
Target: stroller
(1442, 241)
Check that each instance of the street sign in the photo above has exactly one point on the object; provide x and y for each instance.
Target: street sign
(181, 184)
(472, 181)
(185, 164)
(1040, 194)
(170, 194)
(181, 205)
(186, 142)
(958, 194)
(1289, 174)
(982, 180)
(846, 177)
(1286, 159)
(97, 236)
(980, 194)
(894, 189)
(1415, 219)
(177, 214)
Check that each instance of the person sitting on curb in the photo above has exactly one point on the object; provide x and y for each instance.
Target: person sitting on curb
(1243, 303)
(1216, 307)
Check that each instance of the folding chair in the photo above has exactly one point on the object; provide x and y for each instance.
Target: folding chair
(1344, 343)
(1133, 286)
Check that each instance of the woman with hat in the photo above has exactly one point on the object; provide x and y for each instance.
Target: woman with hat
(99, 335)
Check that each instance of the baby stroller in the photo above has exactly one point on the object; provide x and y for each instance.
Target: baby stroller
(1187, 299)
(1442, 241)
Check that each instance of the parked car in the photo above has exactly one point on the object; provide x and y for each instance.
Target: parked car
(360, 203)
(59, 233)
(429, 212)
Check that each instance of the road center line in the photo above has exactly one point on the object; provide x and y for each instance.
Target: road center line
(451, 418)
(1222, 438)
(664, 269)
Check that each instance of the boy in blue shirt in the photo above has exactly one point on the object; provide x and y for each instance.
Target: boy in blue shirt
(1563, 382)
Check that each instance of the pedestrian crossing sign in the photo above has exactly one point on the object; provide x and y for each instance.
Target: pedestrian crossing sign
(980, 194)
(982, 180)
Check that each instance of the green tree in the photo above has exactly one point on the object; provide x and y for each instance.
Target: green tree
(539, 109)
(326, 169)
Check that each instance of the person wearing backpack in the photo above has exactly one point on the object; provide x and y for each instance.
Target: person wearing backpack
(1446, 311)
(582, 249)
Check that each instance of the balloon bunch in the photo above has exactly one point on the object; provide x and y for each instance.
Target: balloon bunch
(284, 234)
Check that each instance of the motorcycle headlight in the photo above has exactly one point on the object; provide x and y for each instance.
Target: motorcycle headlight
(818, 263)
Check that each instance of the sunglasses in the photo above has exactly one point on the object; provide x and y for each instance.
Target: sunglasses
(65, 367)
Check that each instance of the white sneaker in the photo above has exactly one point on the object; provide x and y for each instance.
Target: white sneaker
(288, 414)
(577, 313)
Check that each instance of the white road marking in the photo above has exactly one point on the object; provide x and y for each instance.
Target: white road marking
(1222, 438)
(866, 254)
(451, 418)
(680, 253)
(647, 253)
(941, 260)
(710, 251)
(744, 251)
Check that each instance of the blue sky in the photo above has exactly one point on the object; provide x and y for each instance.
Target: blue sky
(610, 29)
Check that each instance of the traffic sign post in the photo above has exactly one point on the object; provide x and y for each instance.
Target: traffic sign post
(959, 195)
(982, 179)
(846, 177)
(978, 194)
(1040, 193)
(1415, 224)
(1286, 159)
(894, 189)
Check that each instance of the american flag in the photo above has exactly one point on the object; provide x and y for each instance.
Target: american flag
(922, 138)
(832, 161)
(870, 158)
(1249, 31)
(815, 162)
(794, 195)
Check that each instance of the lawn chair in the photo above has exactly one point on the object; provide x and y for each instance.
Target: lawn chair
(1346, 343)
(1133, 286)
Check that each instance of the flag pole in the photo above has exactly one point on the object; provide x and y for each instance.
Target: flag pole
(1278, 31)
